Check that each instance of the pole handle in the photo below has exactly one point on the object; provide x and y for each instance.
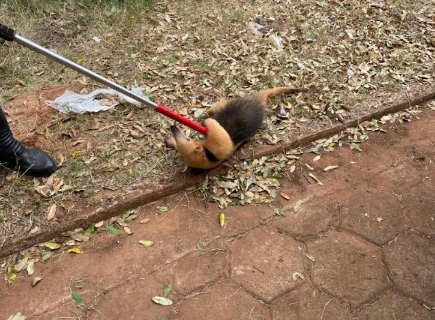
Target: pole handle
(6, 33)
(173, 115)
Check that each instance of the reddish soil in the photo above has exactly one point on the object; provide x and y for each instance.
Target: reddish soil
(28, 112)
(364, 243)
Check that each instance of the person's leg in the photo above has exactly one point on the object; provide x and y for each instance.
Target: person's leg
(14, 155)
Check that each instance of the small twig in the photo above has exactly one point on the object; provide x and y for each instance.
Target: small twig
(104, 291)
(259, 270)
(321, 317)
(25, 172)
(99, 312)
(2, 64)
(195, 294)
(195, 210)
(320, 183)
(334, 115)
(233, 294)
(152, 168)
(173, 208)
(250, 313)
(217, 250)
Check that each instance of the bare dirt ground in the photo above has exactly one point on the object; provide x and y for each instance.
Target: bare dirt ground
(362, 246)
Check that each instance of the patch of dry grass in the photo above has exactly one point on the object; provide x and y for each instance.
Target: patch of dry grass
(187, 54)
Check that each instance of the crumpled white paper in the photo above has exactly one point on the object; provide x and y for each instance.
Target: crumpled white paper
(255, 28)
(273, 39)
(81, 103)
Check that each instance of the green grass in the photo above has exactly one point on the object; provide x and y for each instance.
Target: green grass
(113, 8)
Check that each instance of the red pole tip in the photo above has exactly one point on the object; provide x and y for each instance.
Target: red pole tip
(179, 118)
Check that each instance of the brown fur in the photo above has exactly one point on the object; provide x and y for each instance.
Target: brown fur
(218, 141)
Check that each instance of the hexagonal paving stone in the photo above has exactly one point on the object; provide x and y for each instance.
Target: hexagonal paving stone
(393, 306)
(419, 210)
(307, 303)
(348, 267)
(263, 262)
(184, 273)
(225, 300)
(411, 262)
(373, 214)
(307, 216)
(400, 174)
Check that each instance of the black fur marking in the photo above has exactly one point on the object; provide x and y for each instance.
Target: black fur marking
(210, 156)
(241, 118)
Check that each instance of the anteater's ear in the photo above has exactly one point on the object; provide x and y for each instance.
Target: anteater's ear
(199, 149)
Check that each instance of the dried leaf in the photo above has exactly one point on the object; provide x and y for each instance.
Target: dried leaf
(222, 219)
(309, 256)
(45, 255)
(52, 245)
(11, 275)
(356, 147)
(297, 276)
(162, 301)
(43, 190)
(21, 263)
(17, 316)
(328, 168)
(136, 134)
(99, 224)
(146, 243)
(20, 84)
(35, 281)
(67, 206)
(299, 203)
(278, 212)
(74, 250)
(77, 154)
(52, 212)
(30, 268)
(285, 196)
(146, 220)
(320, 183)
(77, 235)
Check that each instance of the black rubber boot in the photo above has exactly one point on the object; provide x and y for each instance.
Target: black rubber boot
(15, 156)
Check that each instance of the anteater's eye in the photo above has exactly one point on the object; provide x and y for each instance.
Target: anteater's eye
(188, 139)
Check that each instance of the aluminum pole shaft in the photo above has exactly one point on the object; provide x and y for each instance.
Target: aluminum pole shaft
(37, 48)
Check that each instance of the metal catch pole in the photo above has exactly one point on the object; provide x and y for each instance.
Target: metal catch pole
(9, 34)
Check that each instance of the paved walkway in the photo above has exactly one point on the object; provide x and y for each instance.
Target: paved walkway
(360, 247)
